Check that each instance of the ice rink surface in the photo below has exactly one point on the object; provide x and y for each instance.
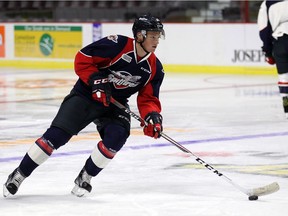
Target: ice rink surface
(233, 122)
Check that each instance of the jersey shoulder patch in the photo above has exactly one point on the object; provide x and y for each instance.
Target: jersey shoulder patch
(113, 38)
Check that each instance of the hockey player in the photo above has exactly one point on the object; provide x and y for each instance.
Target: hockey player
(273, 27)
(115, 66)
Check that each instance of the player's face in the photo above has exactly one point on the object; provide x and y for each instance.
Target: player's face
(151, 41)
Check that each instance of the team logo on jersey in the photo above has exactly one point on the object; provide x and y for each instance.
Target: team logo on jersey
(123, 79)
(113, 38)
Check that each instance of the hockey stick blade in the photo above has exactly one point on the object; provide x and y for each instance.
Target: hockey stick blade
(261, 191)
(265, 190)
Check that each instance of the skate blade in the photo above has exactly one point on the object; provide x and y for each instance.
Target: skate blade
(79, 192)
(6, 193)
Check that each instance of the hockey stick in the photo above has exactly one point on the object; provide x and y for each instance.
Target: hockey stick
(260, 191)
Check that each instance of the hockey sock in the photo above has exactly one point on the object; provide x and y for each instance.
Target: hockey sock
(283, 84)
(27, 165)
(38, 153)
(98, 159)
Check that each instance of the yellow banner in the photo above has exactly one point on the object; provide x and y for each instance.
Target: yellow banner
(47, 41)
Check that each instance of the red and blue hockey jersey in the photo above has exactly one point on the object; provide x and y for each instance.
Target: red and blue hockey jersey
(127, 74)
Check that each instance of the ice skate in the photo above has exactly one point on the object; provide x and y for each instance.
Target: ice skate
(13, 182)
(285, 106)
(82, 184)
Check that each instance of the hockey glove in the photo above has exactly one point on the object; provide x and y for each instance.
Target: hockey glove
(270, 60)
(154, 126)
(268, 57)
(101, 90)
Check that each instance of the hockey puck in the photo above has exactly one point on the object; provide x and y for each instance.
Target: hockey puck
(254, 197)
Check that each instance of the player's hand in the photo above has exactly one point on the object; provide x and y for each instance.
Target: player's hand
(154, 126)
(101, 90)
(270, 60)
(268, 56)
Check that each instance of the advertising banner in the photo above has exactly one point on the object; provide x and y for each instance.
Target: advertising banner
(2, 41)
(39, 41)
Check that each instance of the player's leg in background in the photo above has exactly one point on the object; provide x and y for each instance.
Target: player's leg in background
(280, 52)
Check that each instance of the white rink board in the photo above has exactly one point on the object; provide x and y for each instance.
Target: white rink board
(205, 44)
(185, 44)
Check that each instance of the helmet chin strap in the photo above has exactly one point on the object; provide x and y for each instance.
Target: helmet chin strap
(141, 44)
